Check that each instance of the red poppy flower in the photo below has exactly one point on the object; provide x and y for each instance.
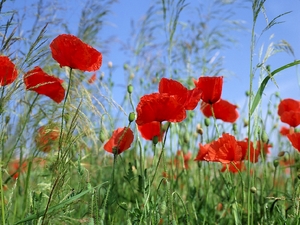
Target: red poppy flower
(92, 79)
(42, 83)
(263, 147)
(150, 130)
(223, 110)
(224, 150)
(15, 168)
(295, 140)
(203, 150)
(188, 98)
(286, 130)
(289, 112)
(159, 107)
(254, 153)
(8, 71)
(70, 51)
(47, 136)
(211, 88)
(120, 141)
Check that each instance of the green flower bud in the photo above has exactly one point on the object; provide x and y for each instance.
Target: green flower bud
(253, 190)
(264, 136)
(247, 93)
(234, 127)
(155, 140)
(125, 66)
(129, 88)
(207, 121)
(103, 136)
(275, 163)
(131, 117)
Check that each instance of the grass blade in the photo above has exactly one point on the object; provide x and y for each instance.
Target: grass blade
(263, 84)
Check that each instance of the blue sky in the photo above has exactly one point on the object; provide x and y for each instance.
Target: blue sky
(236, 58)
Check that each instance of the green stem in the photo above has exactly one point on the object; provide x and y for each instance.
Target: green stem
(215, 120)
(2, 199)
(62, 116)
(160, 156)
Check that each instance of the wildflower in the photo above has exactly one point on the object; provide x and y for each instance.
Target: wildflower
(286, 130)
(16, 167)
(203, 150)
(188, 98)
(120, 141)
(92, 78)
(295, 140)
(211, 87)
(263, 147)
(8, 71)
(159, 107)
(225, 150)
(289, 112)
(68, 50)
(254, 153)
(222, 109)
(151, 130)
(42, 83)
(46, 137)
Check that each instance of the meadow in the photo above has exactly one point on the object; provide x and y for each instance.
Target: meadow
(165, 147)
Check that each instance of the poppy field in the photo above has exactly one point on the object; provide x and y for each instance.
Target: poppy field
(153, 140)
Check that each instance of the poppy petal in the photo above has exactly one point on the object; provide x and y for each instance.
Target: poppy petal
(223, 110)
(69, 50)
(150, 130)
(8, 71)
(295, 140)
(188, 98)
(120, 140)
(42, 83)
(159, 107)
(211, 88)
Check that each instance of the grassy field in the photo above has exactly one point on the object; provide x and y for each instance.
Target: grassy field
(172, 150)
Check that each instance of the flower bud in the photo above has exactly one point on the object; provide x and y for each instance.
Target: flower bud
(280, 154)
(110, 64)
(155, 140)
(129, 88)
(125, 66)
(275, 163)
(253, 190)
(199, 130)
(234, 127)
(207, 121)
(264, 136)
(131, 117)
